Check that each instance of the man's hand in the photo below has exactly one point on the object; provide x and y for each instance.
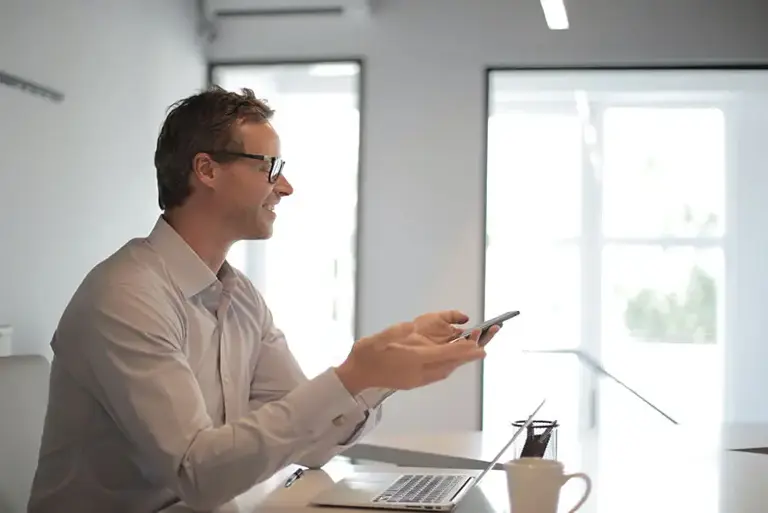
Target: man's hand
(402, 357)
(440, 327)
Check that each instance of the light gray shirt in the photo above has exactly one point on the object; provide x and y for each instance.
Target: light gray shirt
(170, 382)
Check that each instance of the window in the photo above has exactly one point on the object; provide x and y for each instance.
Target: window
(306, 271)
(533, 260)
(607, 227)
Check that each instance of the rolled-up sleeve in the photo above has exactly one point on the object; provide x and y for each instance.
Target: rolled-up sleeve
(131, 359)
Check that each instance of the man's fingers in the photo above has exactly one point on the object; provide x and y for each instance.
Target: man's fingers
(474, 336)
(465, 346)
(485, 338)
(453, 316)
(441, 370)
(451, 334)
(459, 351)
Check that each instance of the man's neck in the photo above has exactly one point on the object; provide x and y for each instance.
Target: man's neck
(202, 235)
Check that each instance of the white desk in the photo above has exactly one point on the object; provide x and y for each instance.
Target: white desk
(686, 469)
(660, 476)
(474, 449)
(743, 490)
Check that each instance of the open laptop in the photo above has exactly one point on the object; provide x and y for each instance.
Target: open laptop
(395, 490)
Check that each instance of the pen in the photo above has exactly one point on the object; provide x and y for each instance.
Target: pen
(294, 477)
(544, 437)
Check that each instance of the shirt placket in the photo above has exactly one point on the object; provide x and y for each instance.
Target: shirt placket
(227, 381)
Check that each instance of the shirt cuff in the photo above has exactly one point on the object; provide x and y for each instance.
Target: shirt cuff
(351, 437)
(372, 397)
(320, 404)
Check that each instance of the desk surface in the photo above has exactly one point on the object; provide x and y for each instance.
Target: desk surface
(648, 475)
(736, 485)
(472, 449)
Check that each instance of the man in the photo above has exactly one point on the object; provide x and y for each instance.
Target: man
(170, 380)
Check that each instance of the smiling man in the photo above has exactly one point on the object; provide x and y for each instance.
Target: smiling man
(170, 381)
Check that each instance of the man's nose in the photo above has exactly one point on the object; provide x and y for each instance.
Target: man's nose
(283, 187)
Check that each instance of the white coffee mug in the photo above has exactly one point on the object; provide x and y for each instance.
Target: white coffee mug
(534, 485)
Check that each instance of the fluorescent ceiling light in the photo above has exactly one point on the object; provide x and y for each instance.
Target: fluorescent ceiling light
(341, 69)
(555, 14)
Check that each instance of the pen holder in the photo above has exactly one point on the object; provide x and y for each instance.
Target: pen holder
(539, 440)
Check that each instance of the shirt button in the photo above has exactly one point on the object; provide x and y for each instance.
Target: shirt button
(339, 421)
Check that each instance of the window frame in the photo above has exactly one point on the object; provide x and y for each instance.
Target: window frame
(591, 242)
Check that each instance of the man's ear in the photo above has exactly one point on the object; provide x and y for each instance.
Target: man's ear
(204, 168)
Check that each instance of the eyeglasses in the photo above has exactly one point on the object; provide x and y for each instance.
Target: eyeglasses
(276, 164)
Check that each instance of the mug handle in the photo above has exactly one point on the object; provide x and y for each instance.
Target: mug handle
(587, 491)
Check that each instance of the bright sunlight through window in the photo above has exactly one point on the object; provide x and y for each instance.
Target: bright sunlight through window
(606, 228)
(307, 270)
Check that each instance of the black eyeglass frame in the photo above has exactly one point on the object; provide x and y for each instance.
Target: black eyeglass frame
(276, 164)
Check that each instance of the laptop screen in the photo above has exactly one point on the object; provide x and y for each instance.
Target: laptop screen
(521, 429)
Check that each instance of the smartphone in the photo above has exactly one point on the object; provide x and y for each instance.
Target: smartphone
(484, 327)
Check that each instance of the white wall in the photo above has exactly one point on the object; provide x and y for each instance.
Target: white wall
(77, 178)
(422, 182)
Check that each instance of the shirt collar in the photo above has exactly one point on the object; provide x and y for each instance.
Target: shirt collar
(189, 271)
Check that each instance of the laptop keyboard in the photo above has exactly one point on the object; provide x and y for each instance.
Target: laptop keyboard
(419, 488)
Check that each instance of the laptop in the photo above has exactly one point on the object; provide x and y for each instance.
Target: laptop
(398, 491)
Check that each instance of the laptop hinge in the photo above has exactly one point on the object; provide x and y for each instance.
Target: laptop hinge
(468, 480)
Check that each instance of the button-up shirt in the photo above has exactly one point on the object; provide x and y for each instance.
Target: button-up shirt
(170, 382)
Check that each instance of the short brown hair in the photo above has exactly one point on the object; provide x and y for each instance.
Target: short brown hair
(202, 122)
